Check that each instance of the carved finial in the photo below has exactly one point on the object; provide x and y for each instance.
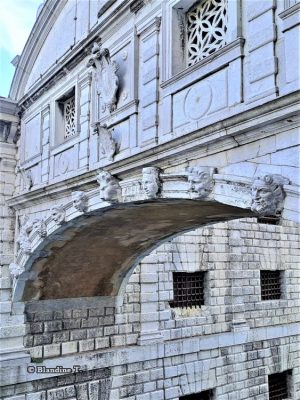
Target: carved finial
(16, 270)
(107, 145)
(151, 182)
(268, 194)
(58, 214)
(110, 189)
(79, 200)
(201, 181)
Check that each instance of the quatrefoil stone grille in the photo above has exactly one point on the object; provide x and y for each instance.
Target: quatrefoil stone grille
(206, 29)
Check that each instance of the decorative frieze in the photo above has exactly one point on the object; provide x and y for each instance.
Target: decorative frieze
(268, 194)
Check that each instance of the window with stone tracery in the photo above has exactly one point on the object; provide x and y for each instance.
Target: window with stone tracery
(206, 25)
(69, 117)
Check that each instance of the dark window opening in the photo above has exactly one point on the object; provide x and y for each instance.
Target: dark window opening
(279, 385)
(188, 289)
(268, 220)
(207, 395)
(270, 282)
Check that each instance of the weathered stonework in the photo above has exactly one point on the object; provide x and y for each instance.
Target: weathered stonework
(181, 159)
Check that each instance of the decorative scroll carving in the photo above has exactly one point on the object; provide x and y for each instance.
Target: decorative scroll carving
(16, 270)
(58, 214)
(107, 145)
(107, 81)
(201, 181)
(110, 189)
(151, 182)
(206, 29)
(39, 226)
(28, 226)
(79, 199)
(268, 194)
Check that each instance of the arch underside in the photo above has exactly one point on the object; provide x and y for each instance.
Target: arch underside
(92, 254)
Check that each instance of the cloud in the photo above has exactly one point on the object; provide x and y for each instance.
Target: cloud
(16, 21)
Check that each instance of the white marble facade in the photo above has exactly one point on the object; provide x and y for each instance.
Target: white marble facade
(121, 108)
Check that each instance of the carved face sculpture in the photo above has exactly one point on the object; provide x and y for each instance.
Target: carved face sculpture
(150, 181)
(267, 195)
(58, 214)
(79, 201)
(109, 186)
(200, 181)
(39, 226)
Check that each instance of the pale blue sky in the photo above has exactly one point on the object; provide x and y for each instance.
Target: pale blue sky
(16, 21)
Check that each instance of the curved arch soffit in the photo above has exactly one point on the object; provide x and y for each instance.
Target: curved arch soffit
(92, 254)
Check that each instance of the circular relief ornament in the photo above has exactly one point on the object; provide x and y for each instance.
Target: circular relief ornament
(197, 101)
(63, 163)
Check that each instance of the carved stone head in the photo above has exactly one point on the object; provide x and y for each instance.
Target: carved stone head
(200, 181)
(15, 270)
(39, 226)
(268, 194)
(58, 214)
(79, 199)
(151, 182)
(110, 189)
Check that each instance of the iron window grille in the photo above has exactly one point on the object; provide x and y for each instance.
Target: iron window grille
(278, 386)
(270, 282)
(206, 395)
(188, 289)
(206, 25)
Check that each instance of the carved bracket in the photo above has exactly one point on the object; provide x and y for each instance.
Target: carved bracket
(107, 145)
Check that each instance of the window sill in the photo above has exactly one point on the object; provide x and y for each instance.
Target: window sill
(205, 67)
(58, 148)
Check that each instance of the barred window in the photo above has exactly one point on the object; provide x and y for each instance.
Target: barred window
(69, 117)
(206, 29)
(279, 385)
(206, 395)
(188, 289)
(270, 282)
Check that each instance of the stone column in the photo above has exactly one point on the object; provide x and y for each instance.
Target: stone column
(12, 327)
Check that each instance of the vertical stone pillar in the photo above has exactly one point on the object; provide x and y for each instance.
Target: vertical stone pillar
(149, 48)
(45, 144)
(12, 327)
(150, 330)
(84, 120)
(237, 275)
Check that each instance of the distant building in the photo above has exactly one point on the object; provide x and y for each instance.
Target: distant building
(149, 170)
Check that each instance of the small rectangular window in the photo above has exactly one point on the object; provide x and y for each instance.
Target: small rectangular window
(66, 126)
(270, 282)
(279, 385)
(206, 29)
(188, 289)
(206, 395)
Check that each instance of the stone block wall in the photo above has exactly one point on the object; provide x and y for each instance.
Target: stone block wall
(84, 385)
(237, 372)
(60, 327)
